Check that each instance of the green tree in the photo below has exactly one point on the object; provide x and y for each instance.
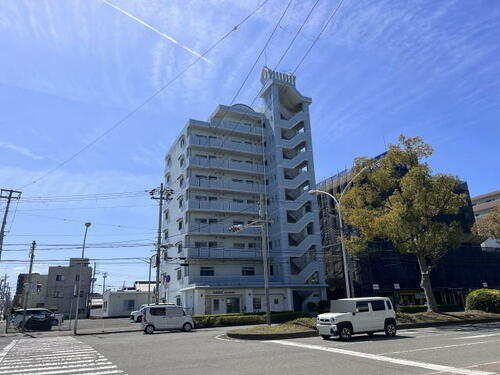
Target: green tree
(397, 198)
(488, 226)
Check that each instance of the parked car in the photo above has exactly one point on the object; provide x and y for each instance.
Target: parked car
(40, 313)
(165, 317)
(358, 315)
(136, 316)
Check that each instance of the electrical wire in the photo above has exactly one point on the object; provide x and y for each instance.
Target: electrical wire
(144, 102)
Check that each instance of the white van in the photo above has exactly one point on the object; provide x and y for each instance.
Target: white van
(164, 317)
(358, 315)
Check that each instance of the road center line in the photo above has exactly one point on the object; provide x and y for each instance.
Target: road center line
(440, 347)
(378, 357)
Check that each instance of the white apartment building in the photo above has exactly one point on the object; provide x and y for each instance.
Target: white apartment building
(220, 170)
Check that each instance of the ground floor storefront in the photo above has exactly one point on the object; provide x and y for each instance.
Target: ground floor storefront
(245, 300)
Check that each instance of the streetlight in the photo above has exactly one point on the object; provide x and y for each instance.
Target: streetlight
(87, 225)
(341, 225)
(262, 224)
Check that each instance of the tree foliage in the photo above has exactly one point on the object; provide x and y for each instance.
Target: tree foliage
(397, 198)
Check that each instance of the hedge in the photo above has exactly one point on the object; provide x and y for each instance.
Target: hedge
(219, 320)
(413, 309)
(483, 299)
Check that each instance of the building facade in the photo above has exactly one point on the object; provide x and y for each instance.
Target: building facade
(380, 270)
(36, 298)
(224, 172)
(483, 205)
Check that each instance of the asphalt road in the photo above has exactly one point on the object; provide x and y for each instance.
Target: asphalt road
(466, 349)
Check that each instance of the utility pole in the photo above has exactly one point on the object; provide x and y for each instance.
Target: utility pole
(160, 195)
(28, 288)
(7, 305)
(104, 275)
(149, 281)
(9, 195)
(265, 257)
(89, 302)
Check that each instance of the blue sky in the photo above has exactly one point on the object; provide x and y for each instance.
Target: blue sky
(70, 70)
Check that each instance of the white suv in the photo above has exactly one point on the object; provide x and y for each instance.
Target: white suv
(163, 317)
(358, 315)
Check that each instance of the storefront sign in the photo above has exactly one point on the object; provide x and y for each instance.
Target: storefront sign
(376, 287)
(223, 292)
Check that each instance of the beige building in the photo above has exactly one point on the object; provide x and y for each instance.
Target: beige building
(484, 204)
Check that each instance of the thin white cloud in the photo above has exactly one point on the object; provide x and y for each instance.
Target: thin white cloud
(20, 150)
(168, 37)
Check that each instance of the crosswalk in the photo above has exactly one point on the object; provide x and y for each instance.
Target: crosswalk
(53, 356)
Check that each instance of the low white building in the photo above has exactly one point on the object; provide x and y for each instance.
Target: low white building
(122, 302)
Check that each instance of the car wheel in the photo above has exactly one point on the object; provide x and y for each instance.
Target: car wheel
(390, 329)
(149, 329)
(345, 333)
(325, 337)
(139, 319)
(187, 327)
(55, 322)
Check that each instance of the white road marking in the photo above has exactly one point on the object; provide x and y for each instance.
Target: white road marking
(440, 347)
(53, 356)
(478, 336)
(377, 357)
(219, 337)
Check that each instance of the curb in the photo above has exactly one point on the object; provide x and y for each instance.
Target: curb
(271, 336)
(446, 323)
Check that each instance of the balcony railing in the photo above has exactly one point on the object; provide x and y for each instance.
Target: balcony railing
(196, 204)
(230, 280)
(225, 185)
(225, 164)
(225, 144)
(217, 253)
(219, 228)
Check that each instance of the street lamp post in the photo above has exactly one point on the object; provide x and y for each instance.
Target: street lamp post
(87, 225)
(341, 226)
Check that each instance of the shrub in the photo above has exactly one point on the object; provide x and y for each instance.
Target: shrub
(205, 321)
(483, 299)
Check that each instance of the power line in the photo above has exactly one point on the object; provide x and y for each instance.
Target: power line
(146, 101)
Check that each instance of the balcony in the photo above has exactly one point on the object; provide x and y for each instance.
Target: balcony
(225, 164)
(225, 185)
(226, 144)
(218, 253)
(225, 206)
(231, 281)
(228, 126)
(219, 229)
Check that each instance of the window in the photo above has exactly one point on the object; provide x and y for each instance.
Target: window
(181, 162)
(183, 142)
(179, 224)
(271, 270)
(166, 215)
(250, 201)
(165, 234)
(59, 277)
(167, 179)
(129, 304)
(239, 245)
(248, 271)
(77, 277)
(179, 247)
(181, 182)
(58, 294)
(212, 244)
(389, 305)
(200, 220)
(165, 255)
(276, 301)
(252, 245)
(157, 311)
(257, 303)
(200, 244)
(207, 271)
(237, 180)
(236, 161)
(249, 182)
(362, 306)
(378, 305)
(178, 300)
(181, 202)
(238, 222)
(179, 273)
(169, 161)
(238, 200)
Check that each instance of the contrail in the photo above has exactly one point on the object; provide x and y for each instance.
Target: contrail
(157, 31)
